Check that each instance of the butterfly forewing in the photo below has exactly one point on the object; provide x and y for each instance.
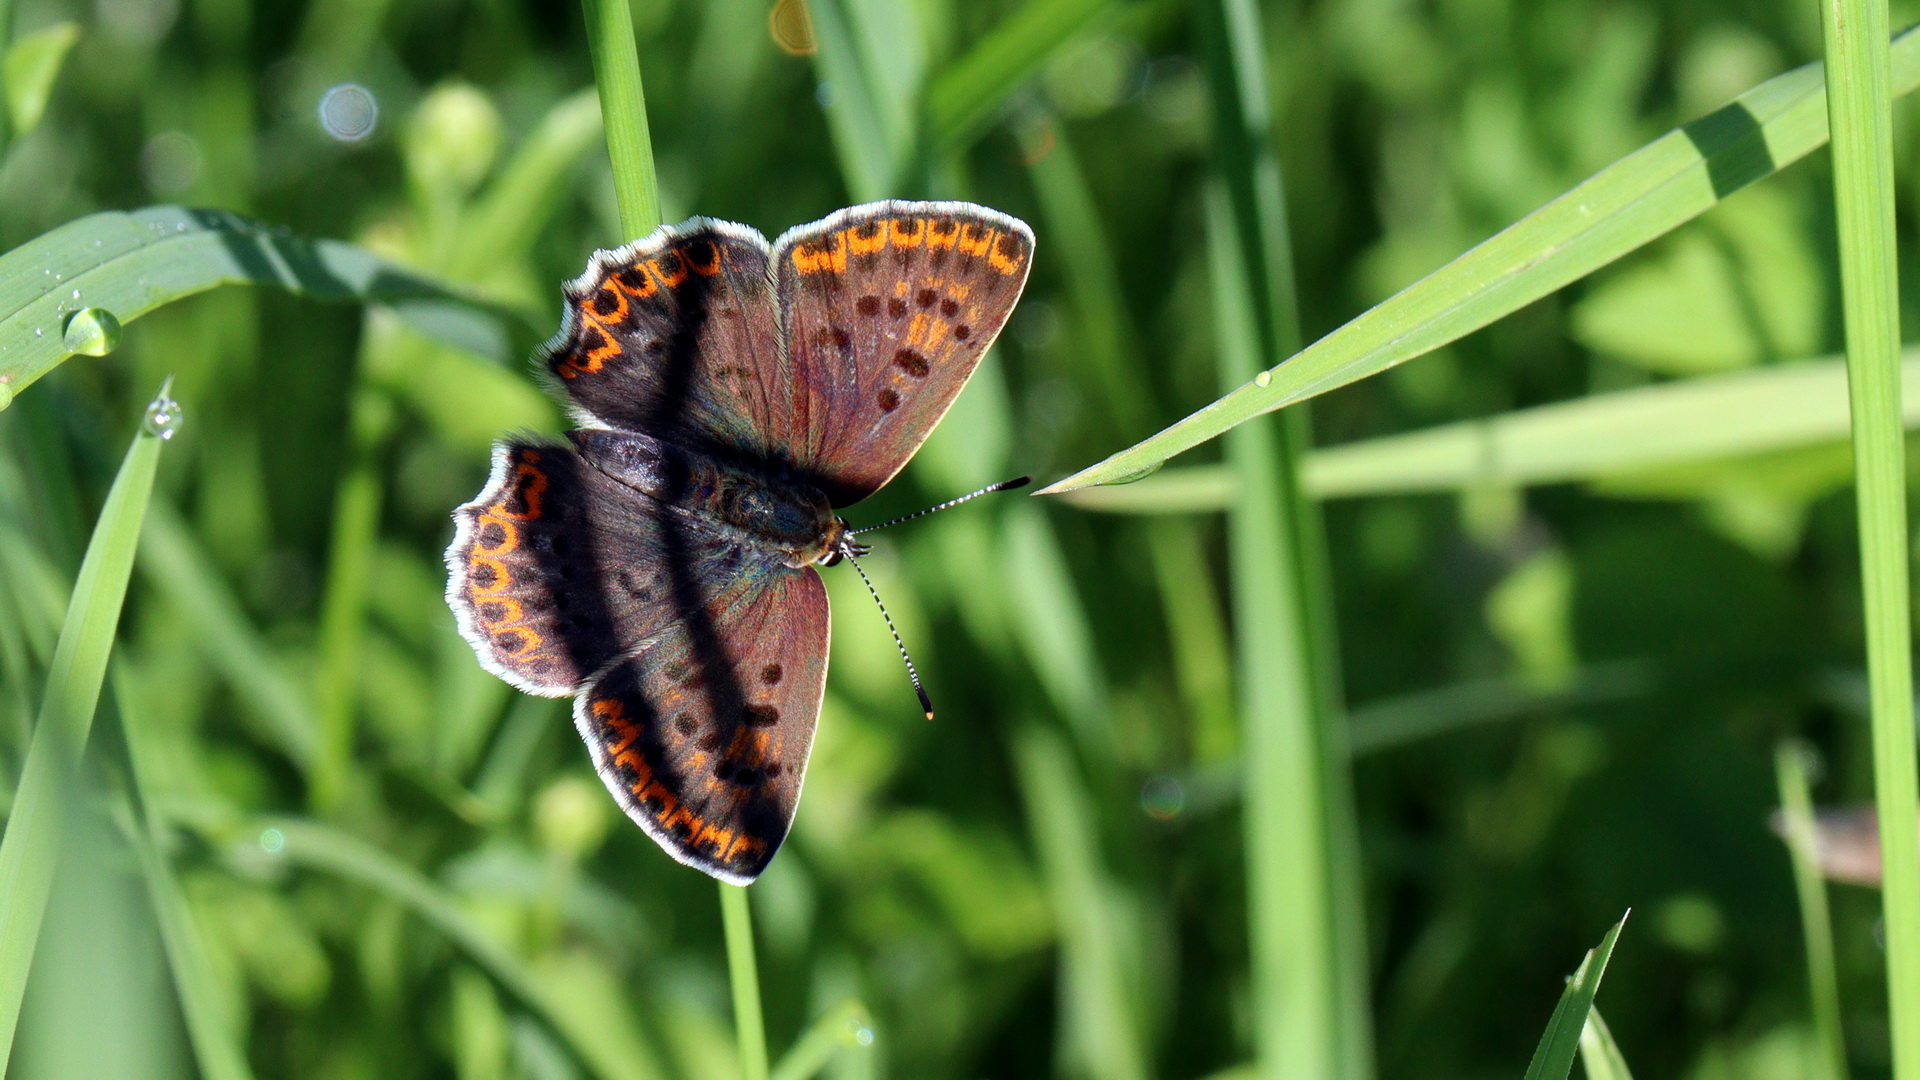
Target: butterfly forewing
(887, 310)
(702, 735)
(676, 336)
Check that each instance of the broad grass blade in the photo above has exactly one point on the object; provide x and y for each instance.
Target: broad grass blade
(129, 263)
(1640, 197)
(1553, 1058)
(962, 100)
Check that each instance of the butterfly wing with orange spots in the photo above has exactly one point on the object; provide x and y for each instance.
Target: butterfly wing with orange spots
(556, 569)
(702, 734)
(887, 309)
(675, 335)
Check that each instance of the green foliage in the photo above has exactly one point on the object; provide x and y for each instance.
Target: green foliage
(1590, 559)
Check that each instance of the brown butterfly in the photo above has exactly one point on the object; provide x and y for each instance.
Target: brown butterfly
(658, 564)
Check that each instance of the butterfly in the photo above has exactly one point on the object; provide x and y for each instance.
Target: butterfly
(658, 564)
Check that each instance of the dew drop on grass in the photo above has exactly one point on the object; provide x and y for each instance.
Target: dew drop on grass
(93, 331)
(1138, 474)
(163, 414)
(1263, 378)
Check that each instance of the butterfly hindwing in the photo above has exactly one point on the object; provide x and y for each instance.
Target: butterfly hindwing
(555, 568)
(702, 734)
(675, 335)
(887, 309)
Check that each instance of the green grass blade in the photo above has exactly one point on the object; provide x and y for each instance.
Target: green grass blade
(504, 222)
(320, 847)
(844, 1026)
(869, 162)
(337, 671)
(962, 100)
(1599, 1054)
(179, 571)
(31, 68)
(130, 263)
(623, 104)
(1289, 893)
(744, 974)
(1606, 435)
(32, 841)
(1624, 206)
(214, 1034)
(1553, 1058)
(1097, 1008)
(1816, 923)
(1860, 113)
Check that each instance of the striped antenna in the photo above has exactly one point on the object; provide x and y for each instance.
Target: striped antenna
(926, 703)
(1004, 485)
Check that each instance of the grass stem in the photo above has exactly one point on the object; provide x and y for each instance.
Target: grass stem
(623, 111)
(1859, 116)
(748, 1026)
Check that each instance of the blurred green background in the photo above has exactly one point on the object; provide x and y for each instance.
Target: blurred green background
(1564, 701)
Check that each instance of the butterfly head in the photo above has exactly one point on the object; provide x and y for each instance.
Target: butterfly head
(845, 547)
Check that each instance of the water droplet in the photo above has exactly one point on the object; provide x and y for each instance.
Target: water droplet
(1163, 797)
(39, 332)
(348, 112)
(859, 1034)
(1263, 378)
(1138, 474)
(93, 331)
(76, 294)
(273, 841)
(163, 419)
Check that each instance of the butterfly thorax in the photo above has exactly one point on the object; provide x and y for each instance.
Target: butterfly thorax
(789, 520)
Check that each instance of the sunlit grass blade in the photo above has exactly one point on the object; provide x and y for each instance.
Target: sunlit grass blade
(744, 975)
(319, 847)
(623, 107)
(1860, 113)
(179, 571)
(1816, 923)
(1599, 1054)
(130, 263)
(1599, 437)
(31, 67)
(962, 99)
(870, 162)
(1105, 1032)
(846, 1026)
(1631, 202)
(1553, 1058)
(32, 841)
(1424, 714)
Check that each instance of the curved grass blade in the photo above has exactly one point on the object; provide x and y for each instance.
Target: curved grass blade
(178, 570)
(1644, 195)
(743, 973)
(131, 262)
(204, 1001)
(1816, 923)
(1599, 1055)
(847, 1026)
(31, 67)
(962, 100)
(1553, 1058)
(322, 848)
(32, 842)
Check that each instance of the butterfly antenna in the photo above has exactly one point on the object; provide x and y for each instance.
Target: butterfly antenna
(926, 703)
(1004, 485)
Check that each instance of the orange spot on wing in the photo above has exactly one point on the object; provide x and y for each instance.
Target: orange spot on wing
(907, 232)
(509, 535)
(501, 579)
(673, 277)
(942, 234)
(976, 241)
(636, 282)
(864, 245)
(529, 641)
(1000, 260)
